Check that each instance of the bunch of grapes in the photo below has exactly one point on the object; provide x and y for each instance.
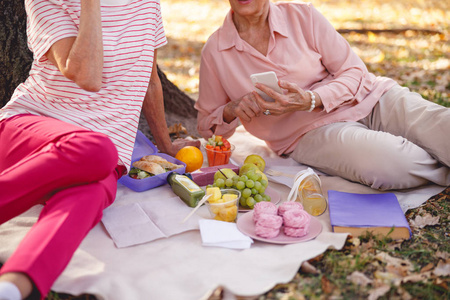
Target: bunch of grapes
(251, 185)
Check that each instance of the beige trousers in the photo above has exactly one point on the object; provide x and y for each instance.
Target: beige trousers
(403, 143)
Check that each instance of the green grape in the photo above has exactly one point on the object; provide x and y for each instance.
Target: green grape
(250, 183)
(235, 178)
(264, 182)
(254, 191)
(240, 185)
(251, 202)
(209, 186)
(229, 182)
(262, 189)
(258, 176)
(251, 175)
(266, 197)
(243, 201)
(246, 193)
(220, 182)
(258, 185)
(243, 178)
(258, 198)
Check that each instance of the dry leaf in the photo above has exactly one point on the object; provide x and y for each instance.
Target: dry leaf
(359, 278)
(416, 277)
(389, 260)
(177, 129)
(427, 268)
(308, 268)
(426, 220)
(327, 286)
(442, 269)
(378, 292)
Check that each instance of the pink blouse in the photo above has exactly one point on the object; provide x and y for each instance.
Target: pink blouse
(304, 48)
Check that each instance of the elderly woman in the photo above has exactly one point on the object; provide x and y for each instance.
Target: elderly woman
(332, 113)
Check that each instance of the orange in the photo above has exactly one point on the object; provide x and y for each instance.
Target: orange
(191, 156)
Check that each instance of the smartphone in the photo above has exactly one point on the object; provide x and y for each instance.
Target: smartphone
(267, 78)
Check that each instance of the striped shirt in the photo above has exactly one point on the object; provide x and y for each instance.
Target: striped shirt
(131, 33)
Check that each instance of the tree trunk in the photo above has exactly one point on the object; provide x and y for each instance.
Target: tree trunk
(16, 59)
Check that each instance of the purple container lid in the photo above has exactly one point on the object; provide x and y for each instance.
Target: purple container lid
(143, 146)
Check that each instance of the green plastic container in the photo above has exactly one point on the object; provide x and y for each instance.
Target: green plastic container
(185, 188)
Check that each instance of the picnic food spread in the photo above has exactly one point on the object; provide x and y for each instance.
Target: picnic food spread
(251, 182)
(151, 165)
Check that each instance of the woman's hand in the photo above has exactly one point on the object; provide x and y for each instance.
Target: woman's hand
(293, 99)
(245, 109)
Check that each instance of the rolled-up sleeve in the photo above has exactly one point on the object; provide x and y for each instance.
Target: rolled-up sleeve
(349, 78)
(211, 101)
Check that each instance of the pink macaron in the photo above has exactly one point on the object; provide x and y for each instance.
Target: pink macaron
(288, 206)
(264, 208)
(268, 225)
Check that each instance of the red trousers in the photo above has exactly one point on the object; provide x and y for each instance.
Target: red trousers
(68, 169)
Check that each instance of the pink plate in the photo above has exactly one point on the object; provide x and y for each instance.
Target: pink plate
(246, 225)
(274, 198)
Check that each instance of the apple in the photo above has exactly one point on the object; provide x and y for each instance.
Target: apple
(229, 173)
(256, 160)
(247, 167)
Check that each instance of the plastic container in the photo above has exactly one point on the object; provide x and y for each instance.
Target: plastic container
(143, 146)
(307, 190)
(185, 188)
(225, 211)
(218, 157)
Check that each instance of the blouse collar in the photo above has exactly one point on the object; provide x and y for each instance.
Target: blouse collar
(229, 36)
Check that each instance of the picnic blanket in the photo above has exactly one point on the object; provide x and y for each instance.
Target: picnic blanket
(178, 266)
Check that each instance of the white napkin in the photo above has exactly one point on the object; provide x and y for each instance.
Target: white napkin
(223, 234)
(145, 221)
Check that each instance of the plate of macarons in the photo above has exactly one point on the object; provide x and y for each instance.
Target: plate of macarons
(284, 224)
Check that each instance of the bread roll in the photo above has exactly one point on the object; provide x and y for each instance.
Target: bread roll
(160, 161)
(150, 167)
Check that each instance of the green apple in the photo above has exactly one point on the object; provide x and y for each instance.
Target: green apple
(247, 167)
(256, 160)
(229, 173)
(263, 176)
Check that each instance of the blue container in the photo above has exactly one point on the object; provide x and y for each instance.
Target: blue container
(142, 147)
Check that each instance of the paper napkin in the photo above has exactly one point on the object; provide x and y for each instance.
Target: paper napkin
(223, 234)
(142, 222)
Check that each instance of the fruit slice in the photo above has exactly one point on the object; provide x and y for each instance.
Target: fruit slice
(215, 193)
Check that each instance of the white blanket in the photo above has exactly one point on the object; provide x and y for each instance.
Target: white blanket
(179, 267)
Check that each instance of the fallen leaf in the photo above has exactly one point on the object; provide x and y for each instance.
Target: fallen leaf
(426, 220)
(308, 268)
(378, 292)
(327, 286)
(442, 269)
(427, 268)
(389, 260)
(359, 278)
(177, 129)
(415, 278)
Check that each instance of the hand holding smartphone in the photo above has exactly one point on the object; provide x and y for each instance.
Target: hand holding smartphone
(267, 78)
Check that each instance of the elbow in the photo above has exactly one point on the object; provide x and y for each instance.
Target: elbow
(88, 78)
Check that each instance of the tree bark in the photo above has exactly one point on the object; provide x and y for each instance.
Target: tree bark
(16, 59)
